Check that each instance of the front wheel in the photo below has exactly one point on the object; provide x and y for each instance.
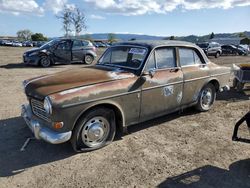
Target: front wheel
(206, 98)
(94, 130)
(45, 61)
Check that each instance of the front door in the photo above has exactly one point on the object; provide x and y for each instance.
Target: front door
(62, 52)
(195, 73)
(162, 91)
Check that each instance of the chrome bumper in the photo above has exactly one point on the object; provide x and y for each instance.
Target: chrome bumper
(42, 132)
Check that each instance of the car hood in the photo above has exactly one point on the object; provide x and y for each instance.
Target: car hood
(45, 85)
(32, 50)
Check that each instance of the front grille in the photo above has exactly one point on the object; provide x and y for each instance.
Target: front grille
(38, 109)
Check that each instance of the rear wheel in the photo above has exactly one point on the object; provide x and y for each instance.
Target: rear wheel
(94, 130)
(45, 61)
(239, 86)
(206, 98)
(235, 82)
(88, 59)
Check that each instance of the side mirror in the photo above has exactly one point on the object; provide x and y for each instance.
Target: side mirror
(151, 73)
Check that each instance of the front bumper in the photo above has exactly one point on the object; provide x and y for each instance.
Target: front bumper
(41, 131)
(31, 60)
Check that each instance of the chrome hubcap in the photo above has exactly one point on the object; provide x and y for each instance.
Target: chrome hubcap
(206, 98)
(95, 131)
(88, 59)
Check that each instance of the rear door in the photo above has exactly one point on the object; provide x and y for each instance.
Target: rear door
(62, 52)
(161, 93)
(77, 50)
(195, 73)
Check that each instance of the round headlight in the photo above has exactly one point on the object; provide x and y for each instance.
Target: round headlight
(47, 105)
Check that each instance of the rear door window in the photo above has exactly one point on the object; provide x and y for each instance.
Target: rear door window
(189, 57)
(77, 44)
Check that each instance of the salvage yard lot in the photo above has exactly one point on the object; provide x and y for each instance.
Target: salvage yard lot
(179, 150)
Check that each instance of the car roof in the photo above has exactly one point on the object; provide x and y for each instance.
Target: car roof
(157, 43)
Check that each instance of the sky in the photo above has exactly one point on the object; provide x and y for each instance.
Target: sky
(151, 17)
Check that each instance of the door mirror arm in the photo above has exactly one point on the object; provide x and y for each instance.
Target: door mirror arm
(150, 72)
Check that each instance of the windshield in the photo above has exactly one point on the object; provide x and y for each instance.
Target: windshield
(50, 43)
(124, 56)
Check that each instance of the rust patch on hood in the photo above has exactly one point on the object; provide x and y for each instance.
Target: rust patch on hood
(46, 85)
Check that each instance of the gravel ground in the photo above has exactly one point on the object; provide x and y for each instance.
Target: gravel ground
(179, 150)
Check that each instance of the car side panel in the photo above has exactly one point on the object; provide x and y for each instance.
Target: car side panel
(195, 78)
(161, 94)
(124, 94)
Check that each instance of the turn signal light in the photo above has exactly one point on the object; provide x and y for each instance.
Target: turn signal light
(58, 125)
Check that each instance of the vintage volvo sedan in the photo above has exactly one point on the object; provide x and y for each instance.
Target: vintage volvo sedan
(131, 83)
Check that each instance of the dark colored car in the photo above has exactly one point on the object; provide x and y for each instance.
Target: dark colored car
(232, 50)
(100, 45)
(211, 48)
(64, 51)
(132, 82)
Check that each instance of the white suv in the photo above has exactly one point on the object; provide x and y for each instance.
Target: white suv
(211, 48)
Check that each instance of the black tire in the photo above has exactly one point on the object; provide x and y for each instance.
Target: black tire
(45, 61)
(217, 55)
(88, 59)
(240, 86)
(206, 98)
(88, 124)
(235, 82)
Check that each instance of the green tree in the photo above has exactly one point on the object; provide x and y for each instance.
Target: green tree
(132, 39)
(111, 37)
(245, 41)
(242, 35)
(172, 38)
(38, 37)
(212, 35)
(24, 34)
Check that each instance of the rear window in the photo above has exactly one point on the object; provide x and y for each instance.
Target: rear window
(188, 57)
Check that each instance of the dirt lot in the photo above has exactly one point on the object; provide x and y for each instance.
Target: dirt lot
(179, 150)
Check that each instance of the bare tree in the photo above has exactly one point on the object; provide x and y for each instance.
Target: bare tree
(66, 16)
(78, 20)
(24, 34)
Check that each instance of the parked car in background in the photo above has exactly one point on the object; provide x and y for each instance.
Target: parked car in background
(61, 51)
(17, 44)
(211, 48)
(232, 50)
(245, 48)
(100, 45)
(8, 43)
(27, 44)
(132, 82)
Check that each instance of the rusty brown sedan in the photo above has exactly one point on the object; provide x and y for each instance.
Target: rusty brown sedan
(132, 82)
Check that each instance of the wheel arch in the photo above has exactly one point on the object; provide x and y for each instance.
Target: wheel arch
(41, 54)
(215, 83)
(119, 115)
